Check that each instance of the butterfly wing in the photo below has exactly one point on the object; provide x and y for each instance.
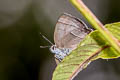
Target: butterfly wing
(69, 31)
(57, 61)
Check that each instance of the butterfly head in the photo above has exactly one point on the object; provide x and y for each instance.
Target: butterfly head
(54, 49)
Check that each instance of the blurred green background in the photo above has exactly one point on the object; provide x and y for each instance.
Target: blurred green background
(21, 21)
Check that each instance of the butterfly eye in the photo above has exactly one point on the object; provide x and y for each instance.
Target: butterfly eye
(53, 47)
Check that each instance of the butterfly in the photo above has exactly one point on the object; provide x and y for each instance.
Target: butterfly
(69, 32)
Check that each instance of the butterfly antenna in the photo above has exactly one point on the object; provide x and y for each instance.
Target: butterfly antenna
(44, 46)
(46, 39)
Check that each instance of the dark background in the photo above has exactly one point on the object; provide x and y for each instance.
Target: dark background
(21, 21)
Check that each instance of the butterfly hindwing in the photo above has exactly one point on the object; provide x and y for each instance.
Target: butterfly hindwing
(69, 31)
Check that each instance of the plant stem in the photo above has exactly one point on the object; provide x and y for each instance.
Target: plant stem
(96, 24)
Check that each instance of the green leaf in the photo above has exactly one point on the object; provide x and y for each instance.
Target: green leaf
(91, 48)
(110, 53)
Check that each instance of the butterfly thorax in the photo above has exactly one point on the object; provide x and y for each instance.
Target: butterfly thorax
(60, 53)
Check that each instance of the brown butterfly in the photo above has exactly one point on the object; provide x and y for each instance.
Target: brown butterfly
(69, 32)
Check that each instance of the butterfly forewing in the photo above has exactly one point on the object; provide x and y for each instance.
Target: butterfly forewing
(69, 31)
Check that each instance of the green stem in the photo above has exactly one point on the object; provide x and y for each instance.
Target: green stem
(96, 23)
